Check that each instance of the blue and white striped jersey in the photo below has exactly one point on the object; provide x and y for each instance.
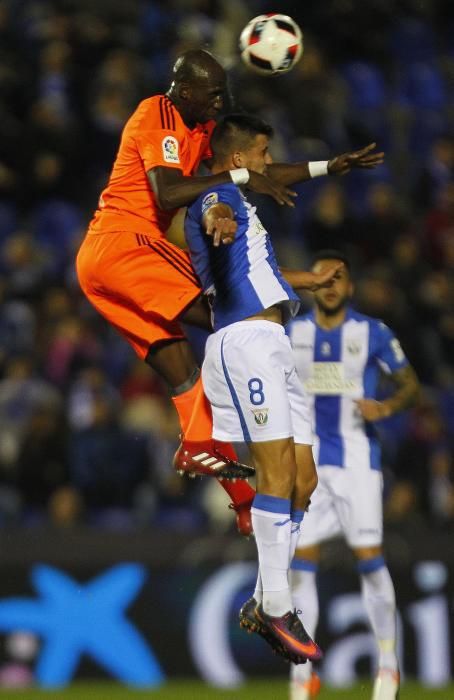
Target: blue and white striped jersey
(337, 367)
(243, 278)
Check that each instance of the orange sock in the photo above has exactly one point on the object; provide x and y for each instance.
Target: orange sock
(194, 412)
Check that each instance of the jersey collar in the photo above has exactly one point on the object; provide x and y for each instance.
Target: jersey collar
(349, 314)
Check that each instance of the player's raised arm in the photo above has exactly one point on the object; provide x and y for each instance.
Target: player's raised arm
(291, 173)
(172, 189)
(300, 279)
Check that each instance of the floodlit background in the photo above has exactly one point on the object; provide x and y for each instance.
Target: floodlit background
(111, 566)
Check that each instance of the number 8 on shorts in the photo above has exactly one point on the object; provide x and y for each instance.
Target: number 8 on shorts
(256, 395)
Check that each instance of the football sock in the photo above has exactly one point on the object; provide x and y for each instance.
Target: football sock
(380, 602)
(272, 528)
(194, 412)
(258, 590)
(303, 581)
(297, 518)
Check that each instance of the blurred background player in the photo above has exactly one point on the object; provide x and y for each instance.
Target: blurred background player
(339, 355)
(249, 372)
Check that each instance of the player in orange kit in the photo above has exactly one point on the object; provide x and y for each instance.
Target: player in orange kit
(142, 284)
(145, 286)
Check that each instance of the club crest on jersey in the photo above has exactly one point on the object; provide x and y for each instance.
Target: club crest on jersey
(260, 415)
(353, 348)
(209, 200)
(170, 150)
(259, 228)
(325, 349)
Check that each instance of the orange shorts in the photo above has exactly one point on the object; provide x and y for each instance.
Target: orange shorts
(140, 284)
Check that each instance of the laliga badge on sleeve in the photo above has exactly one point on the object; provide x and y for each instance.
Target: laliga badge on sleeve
(209, 200)
(170, 150)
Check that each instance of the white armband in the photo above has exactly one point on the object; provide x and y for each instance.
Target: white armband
(239, 176)
(318, 167)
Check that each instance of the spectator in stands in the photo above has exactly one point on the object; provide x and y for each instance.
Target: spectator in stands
(106, 462)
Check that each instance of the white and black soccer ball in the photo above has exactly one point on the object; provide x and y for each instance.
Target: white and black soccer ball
(271, 44)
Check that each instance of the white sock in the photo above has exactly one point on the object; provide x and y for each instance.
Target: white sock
(272, 528)
(258, 590)
(303, 579)
(380, 602)
(297, 518)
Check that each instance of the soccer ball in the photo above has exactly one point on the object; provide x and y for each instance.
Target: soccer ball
(271, 44)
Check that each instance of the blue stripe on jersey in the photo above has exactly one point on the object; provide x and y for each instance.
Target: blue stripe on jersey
(234, 395)
(229, 300)
(270, 250)
(375, 453)
(327, 408)
(370, 380)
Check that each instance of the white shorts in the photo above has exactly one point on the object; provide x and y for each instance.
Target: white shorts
(250, 379)
(347, 501)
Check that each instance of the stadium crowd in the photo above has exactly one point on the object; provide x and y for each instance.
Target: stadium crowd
(87, 433)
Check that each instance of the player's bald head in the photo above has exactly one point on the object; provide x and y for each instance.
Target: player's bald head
(197, 65)
(198, 86)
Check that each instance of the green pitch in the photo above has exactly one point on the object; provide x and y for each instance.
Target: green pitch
(194, 690)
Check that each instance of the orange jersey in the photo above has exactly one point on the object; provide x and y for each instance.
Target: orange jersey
(155, 135)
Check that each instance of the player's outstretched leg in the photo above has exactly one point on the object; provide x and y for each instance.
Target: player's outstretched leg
(275, 522)
(199, 454)
(289, 631)
(380, 602)
(304, 683)
(278, 621)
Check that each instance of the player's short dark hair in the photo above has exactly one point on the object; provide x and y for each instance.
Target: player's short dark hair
(237, 131)
(331, 254)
